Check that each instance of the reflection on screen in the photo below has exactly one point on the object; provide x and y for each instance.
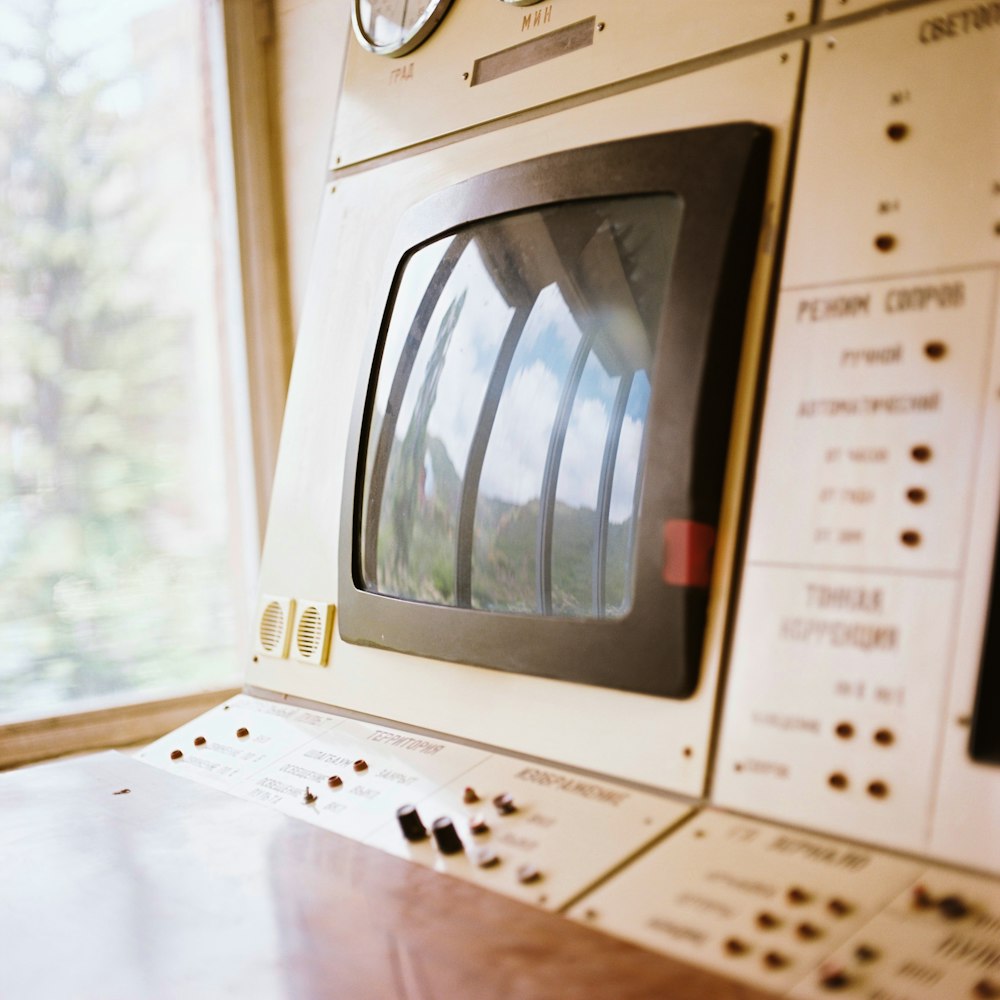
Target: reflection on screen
(503, 461)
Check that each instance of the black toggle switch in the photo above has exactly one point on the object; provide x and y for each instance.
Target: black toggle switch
(411, 824)
(446, 836)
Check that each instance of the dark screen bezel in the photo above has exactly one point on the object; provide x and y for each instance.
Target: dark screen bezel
(719, 174)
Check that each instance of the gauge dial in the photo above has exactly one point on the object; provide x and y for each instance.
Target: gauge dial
(395, 27)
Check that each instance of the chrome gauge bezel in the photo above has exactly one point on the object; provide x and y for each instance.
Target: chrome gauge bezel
(416, 35)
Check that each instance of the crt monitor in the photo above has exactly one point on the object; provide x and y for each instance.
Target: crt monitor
(536, 458)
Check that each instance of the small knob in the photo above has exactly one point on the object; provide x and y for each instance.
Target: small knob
(446, 836)
(953, 907)
(504, 803)
(411, 824)
(836, 979)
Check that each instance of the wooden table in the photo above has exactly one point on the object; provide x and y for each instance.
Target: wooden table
(173, 890)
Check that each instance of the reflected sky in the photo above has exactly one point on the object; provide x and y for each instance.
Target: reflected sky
(510, 408)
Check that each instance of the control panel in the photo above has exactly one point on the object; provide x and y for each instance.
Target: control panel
(859, 633)
(806, 916)
(528, 830)
(787, 823)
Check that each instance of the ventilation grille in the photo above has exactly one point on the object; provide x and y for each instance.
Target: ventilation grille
(312, 633)
(273, 625)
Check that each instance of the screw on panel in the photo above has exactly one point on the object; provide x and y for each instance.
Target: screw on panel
(200, 741)
(176, 754)
(601, 25)
(242, 732)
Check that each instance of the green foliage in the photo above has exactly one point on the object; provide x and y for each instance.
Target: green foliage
(96, 593)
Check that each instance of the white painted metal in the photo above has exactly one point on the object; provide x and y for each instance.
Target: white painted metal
(391, 104)
(862, 605)
(749, 900)
(657, 741)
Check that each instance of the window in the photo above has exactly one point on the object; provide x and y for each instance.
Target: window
(126, 543)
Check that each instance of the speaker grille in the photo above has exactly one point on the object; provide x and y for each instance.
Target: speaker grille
(272, 627)
(309, 633)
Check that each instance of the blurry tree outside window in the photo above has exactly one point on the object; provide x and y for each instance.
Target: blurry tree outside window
(123, 564)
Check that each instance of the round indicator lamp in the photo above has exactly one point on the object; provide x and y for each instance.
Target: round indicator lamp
(395, 27)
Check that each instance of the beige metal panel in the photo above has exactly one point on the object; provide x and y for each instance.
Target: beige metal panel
(554, 836)
(869, 551)
(657, 741)
(842, 8)
(936, 941)
(565, 833)
(967, 804)
(389, 104)
(311, 45)
(934, 190)
(760, 903)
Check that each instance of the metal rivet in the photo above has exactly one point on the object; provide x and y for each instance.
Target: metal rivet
(935, 350)
(767, 921)
(242, 731)
(844, 730)
(176, 754)
(808, 931)
(200, 741)
(884, 737)
(885, 242)
(775, 960)
(838, 781)
(838, 907)
(921, 453)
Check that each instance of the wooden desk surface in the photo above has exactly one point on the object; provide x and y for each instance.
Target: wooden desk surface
(177, 891)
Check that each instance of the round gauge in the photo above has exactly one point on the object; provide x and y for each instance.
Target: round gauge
(395, 27)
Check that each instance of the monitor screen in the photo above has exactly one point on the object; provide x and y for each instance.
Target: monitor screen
(537, 451)
(516, 378)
